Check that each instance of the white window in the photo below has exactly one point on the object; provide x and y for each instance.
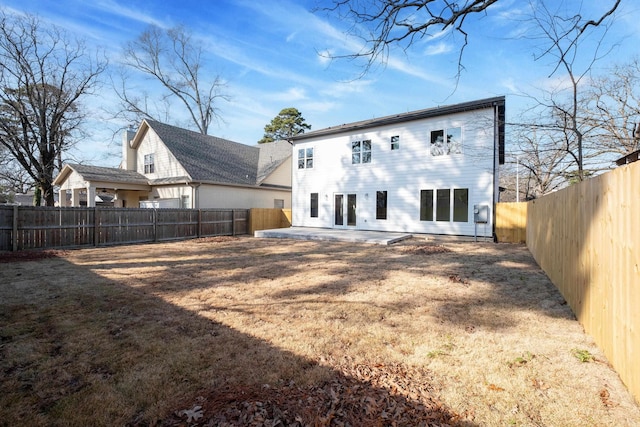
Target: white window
(451, 145)
(149, 166)
(361, 152)
(395, 142)
(305, 158)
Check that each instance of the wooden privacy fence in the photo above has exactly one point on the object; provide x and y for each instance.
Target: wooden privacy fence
(587, 239)
(266, 219)
(511, 222)
(28, 227)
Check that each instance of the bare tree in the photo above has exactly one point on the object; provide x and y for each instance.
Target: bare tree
(43, 76)
(543, 166)
(614, 101)
(174, 60)
(566, 104)
(383, 24)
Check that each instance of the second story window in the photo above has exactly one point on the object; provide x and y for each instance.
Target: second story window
(452, 144)
(361, 152)
(149, 166)
(305, 158)
(395, 142)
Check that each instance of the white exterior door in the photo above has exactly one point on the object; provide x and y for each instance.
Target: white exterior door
(345, 210)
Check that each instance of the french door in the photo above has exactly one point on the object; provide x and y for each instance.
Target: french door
(345, 205)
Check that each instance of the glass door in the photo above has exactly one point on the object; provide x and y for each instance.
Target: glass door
(344, 206)
(339, 209)
(351, 209)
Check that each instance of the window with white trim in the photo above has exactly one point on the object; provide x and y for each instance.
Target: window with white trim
(149, 166)
(452, 144)
(361, 151)
(305, 158)
(395, 142)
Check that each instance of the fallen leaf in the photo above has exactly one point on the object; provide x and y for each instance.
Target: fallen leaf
(192, 414)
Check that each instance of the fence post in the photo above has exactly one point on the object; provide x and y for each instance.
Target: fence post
(154, 215)
(199, 223)
(96, 226)
(233, 222)
(14, 234)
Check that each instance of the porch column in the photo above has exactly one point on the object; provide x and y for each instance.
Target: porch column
(75, 197)
(91, 196)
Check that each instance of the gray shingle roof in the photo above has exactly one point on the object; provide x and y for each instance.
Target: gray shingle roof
(206, 159)
(98, 173)
(211, 159)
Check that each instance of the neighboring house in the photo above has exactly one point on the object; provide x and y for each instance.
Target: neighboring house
(428, 171)
(168, 167)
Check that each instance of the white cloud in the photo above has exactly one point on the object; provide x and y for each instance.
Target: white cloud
(133, 13)
(342, 89)
(291, 95)
(438, 48)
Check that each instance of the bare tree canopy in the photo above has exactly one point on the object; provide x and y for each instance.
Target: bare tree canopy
(173, 59)
(614, 107)
(43, 76)
(383, 24)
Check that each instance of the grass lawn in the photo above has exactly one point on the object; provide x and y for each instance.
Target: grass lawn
(245, 331)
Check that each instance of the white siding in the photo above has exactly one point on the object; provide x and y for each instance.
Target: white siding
(280, 176)
(402, 173)
(165, 164)
(74, 180)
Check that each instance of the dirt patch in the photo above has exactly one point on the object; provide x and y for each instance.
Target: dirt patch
(424, 249)
(244, 331)
(29, 255)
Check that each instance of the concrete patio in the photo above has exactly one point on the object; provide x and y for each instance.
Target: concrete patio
(330, 234)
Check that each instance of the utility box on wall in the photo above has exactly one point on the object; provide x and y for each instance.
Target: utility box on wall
(481, 214)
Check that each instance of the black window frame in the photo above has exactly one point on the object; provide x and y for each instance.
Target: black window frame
(443, 210)
(381, 204)
(426, 205)
(314, 205)
(460, 205)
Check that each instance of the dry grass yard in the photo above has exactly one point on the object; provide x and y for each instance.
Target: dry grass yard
(245, 331)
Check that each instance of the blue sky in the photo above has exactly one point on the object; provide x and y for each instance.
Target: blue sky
(268, 54)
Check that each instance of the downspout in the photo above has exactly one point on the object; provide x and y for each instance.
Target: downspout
(496, 149)
(195, 195)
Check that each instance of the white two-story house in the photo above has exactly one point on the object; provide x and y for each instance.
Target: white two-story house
(432, 171)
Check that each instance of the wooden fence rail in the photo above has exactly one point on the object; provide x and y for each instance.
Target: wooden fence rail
(265, 219)
(511, 222)
(28, 227)
(587, 239)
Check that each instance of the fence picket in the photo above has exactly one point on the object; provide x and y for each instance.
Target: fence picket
(35, 227)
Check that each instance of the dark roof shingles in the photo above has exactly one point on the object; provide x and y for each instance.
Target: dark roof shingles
(99, 173)
(212, 159)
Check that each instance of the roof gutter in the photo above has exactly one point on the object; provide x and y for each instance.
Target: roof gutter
(405, 117)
